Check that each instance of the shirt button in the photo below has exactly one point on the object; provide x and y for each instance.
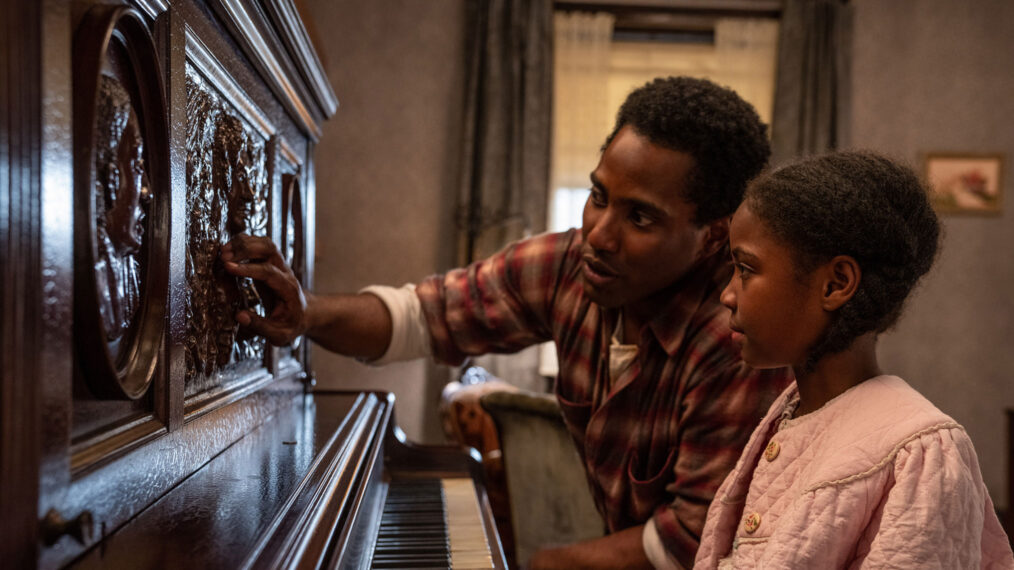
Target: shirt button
(771, 451)
(752, 521)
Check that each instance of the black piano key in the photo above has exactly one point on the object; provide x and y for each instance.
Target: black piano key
(413, 527)
(411, 539)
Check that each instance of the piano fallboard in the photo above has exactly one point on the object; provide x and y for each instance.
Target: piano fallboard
(306, 489)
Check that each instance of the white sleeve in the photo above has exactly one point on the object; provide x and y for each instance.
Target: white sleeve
(410, 337)
(655, 550)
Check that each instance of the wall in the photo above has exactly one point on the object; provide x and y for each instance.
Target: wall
(928, 75)
(936, 75)
(386, 168)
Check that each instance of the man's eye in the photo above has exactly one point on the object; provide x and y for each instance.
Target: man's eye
(597, 197)
(640, 220)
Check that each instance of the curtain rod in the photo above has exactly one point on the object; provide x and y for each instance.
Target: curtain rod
(693, 17)
(723, 7)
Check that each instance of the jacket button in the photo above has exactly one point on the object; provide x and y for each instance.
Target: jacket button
(771, 451)
(752, 522)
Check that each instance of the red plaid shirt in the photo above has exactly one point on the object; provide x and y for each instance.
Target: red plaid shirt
(661, 442)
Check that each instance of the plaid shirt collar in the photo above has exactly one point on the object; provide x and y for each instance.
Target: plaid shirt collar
(694, 289)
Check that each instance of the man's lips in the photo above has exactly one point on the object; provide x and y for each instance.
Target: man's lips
(737, 333)
(596, 272)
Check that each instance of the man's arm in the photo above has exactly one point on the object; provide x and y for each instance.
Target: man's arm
(621, 549)
(349, 324)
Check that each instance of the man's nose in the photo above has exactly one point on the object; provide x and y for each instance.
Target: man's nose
(605, 232)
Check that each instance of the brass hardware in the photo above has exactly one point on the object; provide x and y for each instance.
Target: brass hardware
(54, 527)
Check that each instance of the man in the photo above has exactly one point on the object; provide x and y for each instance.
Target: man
(651, 386)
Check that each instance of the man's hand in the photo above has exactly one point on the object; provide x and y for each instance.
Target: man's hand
(259, 258)
(353, 325)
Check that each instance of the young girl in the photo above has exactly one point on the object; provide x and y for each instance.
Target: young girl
(851, 468)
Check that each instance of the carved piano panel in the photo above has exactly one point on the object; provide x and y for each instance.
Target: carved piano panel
(165, 130)
(142, 427)
(228, 187)
(121, 228)
(292, 242)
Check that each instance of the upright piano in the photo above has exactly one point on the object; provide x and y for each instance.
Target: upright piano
(141, 427)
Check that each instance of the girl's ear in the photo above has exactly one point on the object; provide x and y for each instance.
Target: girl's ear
(841, 281)
(717, 236)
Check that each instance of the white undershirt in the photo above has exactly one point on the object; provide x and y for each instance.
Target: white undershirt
(621, 357)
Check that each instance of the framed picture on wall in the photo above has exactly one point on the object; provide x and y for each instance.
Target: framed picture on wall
(965, 183)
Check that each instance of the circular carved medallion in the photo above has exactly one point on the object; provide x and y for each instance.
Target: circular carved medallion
(121, 202)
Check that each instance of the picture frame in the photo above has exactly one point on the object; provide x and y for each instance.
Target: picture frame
(965, 183)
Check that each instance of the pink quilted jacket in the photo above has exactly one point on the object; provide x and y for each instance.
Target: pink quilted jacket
(877, 478)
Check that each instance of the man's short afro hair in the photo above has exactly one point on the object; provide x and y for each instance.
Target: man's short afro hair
(714, 125)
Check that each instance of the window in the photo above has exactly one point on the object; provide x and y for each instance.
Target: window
(595, 69)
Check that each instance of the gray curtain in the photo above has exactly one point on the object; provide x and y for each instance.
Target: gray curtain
(507, 120)
(812, 85)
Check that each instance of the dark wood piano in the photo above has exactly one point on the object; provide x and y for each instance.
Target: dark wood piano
(140, 427)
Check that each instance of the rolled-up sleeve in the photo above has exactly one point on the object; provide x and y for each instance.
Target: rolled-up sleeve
(410, 339)
(500, 304)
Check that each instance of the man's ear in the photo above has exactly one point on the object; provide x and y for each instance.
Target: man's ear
(717, 236)
(841, 281)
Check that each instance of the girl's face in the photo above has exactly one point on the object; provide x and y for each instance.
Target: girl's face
(777, 316)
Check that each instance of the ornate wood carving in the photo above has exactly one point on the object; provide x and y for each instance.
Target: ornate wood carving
(121, 202)
(227, 193)
(294, 235)
(93, 191)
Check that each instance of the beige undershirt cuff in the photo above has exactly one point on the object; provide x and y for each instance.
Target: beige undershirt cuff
(410, 337)
(655, 550)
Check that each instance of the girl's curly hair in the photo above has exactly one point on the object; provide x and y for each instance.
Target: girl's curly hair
(859, 204)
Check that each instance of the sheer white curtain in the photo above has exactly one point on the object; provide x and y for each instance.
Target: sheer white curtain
(581, 114)
(581, 120)
(747, 50)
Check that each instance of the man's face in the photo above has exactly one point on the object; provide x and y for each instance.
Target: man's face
(639, 234)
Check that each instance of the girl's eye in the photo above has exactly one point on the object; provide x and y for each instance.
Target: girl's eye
(743, 270)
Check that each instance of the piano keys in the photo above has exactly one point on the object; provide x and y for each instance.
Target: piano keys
(431, 523)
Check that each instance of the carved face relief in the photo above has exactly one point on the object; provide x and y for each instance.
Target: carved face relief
(121, 199)
(227, 193)
(125, 220)
(121, 206)
(241, 194)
